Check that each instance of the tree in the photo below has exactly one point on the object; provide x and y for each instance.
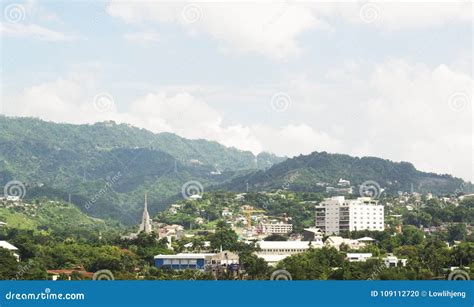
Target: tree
(411, 236)
(312, 264)
(255, 267)
(8, 264)
(462, 254)
(224, 237)
(435, 255)
(457, 232)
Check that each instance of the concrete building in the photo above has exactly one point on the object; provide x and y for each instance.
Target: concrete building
(358, 257)
(392, 261)
(276, 228)
(198, 261)
(183, 261)
(337, 214)
(274, 251)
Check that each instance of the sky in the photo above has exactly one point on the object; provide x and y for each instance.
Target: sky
(365, 78)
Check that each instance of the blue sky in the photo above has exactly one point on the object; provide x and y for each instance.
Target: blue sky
(386, 79)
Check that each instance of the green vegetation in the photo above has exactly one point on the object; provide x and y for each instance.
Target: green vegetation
(112, 165)
(52, 216)
(314, 171)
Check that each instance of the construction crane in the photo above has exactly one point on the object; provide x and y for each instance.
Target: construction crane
(248, 213)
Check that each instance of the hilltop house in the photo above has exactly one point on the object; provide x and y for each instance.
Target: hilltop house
(11, 248)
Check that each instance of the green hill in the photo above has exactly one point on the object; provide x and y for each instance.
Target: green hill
(106, 168)
(47, 216)
(316, 171)
(113, 165)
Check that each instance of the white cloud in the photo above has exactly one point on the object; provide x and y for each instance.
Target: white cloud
(273, 28)
(33, 31)
(397, 110)
(72, 100)
(270, 29)
(142, 37)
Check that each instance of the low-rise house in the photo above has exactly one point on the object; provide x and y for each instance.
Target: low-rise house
(77, 272)
(226, 213)
(206, 245)
(11, 248)
(393, 261)
(336, 242)
(358, 257)
(13, 198)
(171, 232)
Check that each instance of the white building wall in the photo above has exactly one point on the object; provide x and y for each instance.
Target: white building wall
(363, 213)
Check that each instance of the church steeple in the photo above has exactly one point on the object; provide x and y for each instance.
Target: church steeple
(145, 225)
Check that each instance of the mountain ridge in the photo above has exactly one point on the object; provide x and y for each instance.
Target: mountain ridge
(59, 161)
(317, 170)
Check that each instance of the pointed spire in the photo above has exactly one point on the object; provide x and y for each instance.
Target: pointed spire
(146, 221)
(146, 202)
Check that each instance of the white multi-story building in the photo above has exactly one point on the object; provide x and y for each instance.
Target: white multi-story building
(276, 228)
(337, 214)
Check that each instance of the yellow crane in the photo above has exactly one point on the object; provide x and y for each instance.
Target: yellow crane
(248, 213)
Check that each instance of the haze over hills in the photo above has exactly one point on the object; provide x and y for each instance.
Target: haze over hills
(106, 168)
